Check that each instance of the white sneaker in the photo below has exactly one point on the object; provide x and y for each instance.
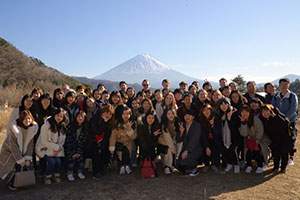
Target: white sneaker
(228, 168)
(81, 175)
(266, 166)
(236, 169)
(128, 170)
(290, 162)
(70, 177)
(167, 170)
(122, 170)
(259, 170)
(248, 169)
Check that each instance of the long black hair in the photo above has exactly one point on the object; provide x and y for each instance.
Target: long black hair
(45, 96)
(156, 125)
(54, 126)
(120, 121)
(165, 120)
(22, 107)
(74, 124)
(250, 121)
(57, 103)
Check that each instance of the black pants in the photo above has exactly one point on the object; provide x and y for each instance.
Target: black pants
(214, 158)
(125, 156)
(277, 155)
(98, 161)
(294, 134)
(230, 156)
(254, 155)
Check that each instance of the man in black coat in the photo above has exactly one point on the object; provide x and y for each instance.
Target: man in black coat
(190, 134)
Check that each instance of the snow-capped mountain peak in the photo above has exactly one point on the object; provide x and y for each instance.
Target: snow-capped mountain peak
(144, 66)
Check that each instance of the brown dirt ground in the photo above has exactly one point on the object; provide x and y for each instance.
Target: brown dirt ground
(175, 186)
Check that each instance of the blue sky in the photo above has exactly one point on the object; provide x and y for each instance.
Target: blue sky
(259, 39)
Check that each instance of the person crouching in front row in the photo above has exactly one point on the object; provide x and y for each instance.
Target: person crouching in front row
(190, 134)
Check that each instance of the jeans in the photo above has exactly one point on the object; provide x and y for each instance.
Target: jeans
(53, 165)
(76, 165)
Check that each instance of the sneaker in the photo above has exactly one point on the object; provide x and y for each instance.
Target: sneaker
(98, 177)
(266, 166)
(47, 181)
(259, 170)
(236, 169)
(12, 188)
(290, 162)
(122, 170)
(228, 168)
(194, 172)
(205, 169)
(81, 175)
(128, 170)
(248, 169)
(214, 169)
(57, 179)
(70, 177)
(167, 170)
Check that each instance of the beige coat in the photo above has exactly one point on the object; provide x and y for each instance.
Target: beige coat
(258, 131)
(49, 141)
(123, 136)
(14, 150)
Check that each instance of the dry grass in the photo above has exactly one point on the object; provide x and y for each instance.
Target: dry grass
(176, 186)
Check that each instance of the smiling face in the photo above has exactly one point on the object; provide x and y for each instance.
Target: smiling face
(115, 99)
(251, 87)
(188, 118)
(130, 93)
(27, 121)
(146, 106)
(80, 118)
(202, 96)
(168, 100)
(28, 103)
(245, 115)
(266, 113)
(224, 106)
(187, 101)
(59, 95)
(71, 99)
(235, 98)
(90, 102)
(45, 103)
(126, 116)
(206, 112)
(135, 105)
(106, 116)
(150, 119)
(146, 85)
(97, 95)
(59, 117)
(170, 115)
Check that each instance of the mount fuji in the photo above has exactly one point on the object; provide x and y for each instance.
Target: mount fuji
(143, 67)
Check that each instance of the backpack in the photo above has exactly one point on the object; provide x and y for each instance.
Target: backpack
(148, 168)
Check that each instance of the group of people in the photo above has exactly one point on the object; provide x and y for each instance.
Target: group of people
(219, 128)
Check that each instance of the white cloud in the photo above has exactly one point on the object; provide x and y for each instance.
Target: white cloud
(279, 64)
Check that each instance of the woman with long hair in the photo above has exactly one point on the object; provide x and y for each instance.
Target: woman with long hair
(170, 129)
(252, 130)
(58, 97)
(17, 149)
(26, 104)
(77, 132)
(50, 144)
(168, 102)
(276, 126)
(121, 139)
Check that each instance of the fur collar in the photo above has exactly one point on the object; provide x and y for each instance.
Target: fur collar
(16, 130)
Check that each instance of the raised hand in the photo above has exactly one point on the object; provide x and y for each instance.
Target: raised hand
(181, 128)
(157, 132)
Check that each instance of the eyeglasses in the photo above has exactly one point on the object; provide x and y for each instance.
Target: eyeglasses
(145, 84)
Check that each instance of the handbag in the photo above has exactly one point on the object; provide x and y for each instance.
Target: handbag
(148, 168)
(252, 144)
(24, 178)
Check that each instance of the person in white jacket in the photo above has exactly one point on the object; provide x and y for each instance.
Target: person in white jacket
(50, 144)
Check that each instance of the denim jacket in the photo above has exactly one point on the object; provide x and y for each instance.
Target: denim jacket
(288, 105)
